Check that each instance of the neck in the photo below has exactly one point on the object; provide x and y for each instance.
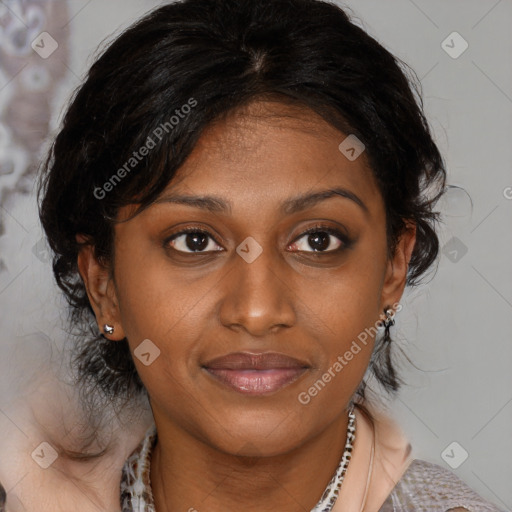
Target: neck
(189, 474)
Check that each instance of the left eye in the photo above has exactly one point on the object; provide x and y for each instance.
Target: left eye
(319, 240)
(193, 241)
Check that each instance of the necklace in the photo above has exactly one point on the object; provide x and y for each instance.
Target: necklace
(332, 491)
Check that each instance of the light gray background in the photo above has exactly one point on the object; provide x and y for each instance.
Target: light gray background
(455, 327)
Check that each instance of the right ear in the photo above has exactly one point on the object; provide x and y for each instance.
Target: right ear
(100, 288)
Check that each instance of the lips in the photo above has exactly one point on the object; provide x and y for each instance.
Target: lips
(256, 373)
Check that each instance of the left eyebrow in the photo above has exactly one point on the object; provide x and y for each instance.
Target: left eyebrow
(215, 204)
(304, 201)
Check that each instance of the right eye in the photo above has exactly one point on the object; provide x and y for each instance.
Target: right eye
(192, 240)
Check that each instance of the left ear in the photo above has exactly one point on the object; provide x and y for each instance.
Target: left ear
(396, 272)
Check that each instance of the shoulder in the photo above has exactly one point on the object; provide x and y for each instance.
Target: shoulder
(2, 497)
(428, 486)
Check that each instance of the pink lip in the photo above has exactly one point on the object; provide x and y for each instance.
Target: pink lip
(256, 374)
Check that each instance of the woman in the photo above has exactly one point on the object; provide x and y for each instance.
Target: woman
(284, 143)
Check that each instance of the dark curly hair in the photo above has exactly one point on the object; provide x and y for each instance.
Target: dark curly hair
(187, 64)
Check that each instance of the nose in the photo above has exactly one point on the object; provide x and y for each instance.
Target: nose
(257, 297)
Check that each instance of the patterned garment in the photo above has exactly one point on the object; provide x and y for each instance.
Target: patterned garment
(424, 487)
(136, 494)
(427, 487)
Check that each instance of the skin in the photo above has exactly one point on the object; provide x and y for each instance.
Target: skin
(218, 449)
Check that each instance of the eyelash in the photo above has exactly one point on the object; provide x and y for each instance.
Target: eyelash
(318, 228)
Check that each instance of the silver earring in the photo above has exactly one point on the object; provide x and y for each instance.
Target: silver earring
(388, 322)
(108, 329)
(390, 318)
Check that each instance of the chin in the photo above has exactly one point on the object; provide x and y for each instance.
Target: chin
(257, 436)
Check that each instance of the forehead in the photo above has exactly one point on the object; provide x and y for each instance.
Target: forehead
(267, 145)
(256, 158)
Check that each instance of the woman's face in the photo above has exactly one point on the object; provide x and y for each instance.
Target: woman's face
(253, 282)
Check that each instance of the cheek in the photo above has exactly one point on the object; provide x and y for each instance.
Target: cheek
(156, 305)
(149, 301)
(350, 301)
(346, 314)
(349, 310)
